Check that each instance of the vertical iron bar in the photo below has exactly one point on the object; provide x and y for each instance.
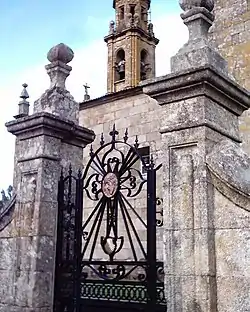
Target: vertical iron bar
(151, 238)
(59, 245)
(78, 244)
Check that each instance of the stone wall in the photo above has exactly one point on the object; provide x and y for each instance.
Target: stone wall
(232, 246)
(231, 35)
(229, 167)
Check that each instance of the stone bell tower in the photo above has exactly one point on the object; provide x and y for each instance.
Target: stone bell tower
(131, 45)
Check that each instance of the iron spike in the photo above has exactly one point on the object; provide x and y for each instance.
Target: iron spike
(152, 161)
(70, 169)
(102, 140)
(126, 135)
(113, 133)
(136, 142)
(79, 174)
(91, 150)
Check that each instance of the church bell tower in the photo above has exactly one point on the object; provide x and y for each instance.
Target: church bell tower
(131, 45)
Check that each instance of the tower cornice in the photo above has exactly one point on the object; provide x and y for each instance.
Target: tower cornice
(114, 2)
(137, 30)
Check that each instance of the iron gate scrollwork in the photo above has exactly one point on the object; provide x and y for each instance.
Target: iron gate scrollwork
(106, 243)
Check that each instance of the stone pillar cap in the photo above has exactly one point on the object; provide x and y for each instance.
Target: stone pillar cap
(60, 52)
(191, 4)
(58, 70)
(198, 51)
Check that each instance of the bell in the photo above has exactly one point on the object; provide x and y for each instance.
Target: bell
(121, 67)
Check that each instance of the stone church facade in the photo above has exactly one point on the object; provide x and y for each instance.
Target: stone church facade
(188, 120)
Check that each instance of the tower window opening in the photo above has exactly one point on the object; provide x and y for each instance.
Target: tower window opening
(120, 65)
(144, 14)
(144, 64)
(132, 9)
(122, 12)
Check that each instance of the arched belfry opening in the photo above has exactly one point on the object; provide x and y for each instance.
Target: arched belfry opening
(120, 65)
(144, 64)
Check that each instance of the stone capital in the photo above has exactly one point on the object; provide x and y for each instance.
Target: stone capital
(201, 97)
(50, 125)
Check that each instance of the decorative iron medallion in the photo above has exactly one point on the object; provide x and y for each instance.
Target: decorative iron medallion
(109, 185)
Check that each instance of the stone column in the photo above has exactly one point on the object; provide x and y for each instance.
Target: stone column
(202, 105)
(46, 141)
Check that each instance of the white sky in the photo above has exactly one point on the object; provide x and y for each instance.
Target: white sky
(88, 66)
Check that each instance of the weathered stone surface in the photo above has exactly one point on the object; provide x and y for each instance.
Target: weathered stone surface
(202, 80)
(230, 35)
(232, 229)
(233, 294)
(188, 5)
(58, 101)
(230, 168)
(197, 51)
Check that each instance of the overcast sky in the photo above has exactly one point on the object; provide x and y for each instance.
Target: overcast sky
(29, 28)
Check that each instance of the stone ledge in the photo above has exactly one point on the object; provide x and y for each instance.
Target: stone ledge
(205, 80)
(131, 30)
(50, 125)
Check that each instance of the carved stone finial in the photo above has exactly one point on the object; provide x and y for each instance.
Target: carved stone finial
(60, 52)
(136, 19)
(151, 30)
(24, 94)
(129, 20)
(111, 27)
(58, 71)
(23, 104)
(198, 17)
(190, 4)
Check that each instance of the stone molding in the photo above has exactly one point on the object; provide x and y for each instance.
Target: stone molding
(50, 125)
(132, 30)
(229, 166)
(201, 81)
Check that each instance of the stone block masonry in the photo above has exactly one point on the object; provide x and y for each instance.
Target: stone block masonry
(231, 35)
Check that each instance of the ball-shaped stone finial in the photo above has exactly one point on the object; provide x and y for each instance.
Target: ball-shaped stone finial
(60, 52)
(190, 4)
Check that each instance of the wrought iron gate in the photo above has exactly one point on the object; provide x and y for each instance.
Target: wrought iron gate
(106, 243)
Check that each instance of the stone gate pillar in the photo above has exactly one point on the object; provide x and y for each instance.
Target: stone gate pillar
(202, 104)
(46, 141)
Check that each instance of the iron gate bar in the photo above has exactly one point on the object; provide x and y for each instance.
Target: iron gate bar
(151, 235)
(78, 241)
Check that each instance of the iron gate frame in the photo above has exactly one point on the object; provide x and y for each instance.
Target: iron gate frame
(69, 278)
